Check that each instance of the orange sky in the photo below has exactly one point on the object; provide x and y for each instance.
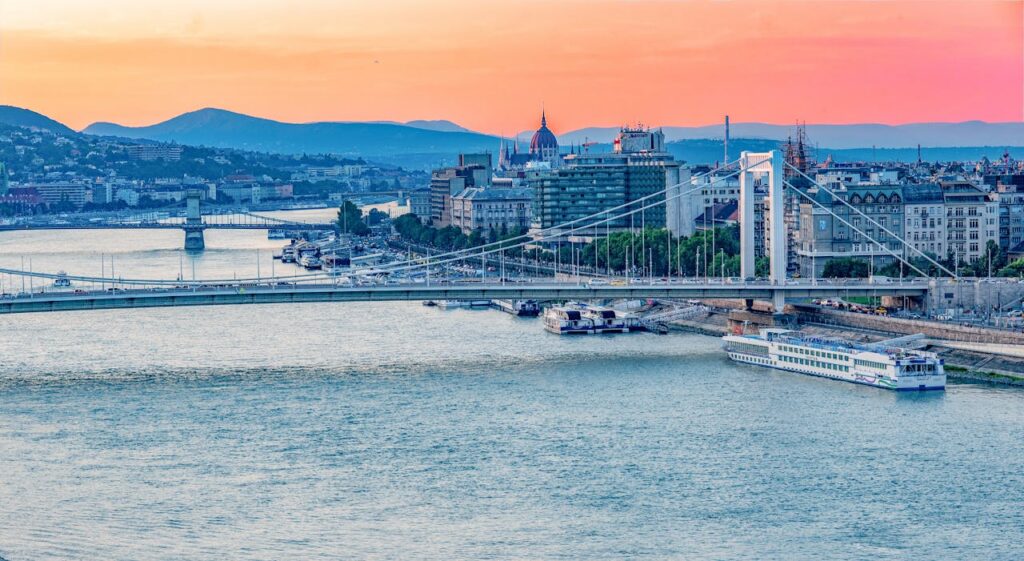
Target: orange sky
(490, 65)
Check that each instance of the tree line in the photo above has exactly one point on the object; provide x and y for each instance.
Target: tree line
(648, 251)
(995, 261)
(713, 252)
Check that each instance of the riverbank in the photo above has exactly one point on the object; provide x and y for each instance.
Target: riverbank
(961, 364)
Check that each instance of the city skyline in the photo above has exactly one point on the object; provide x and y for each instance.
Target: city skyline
(491, 68)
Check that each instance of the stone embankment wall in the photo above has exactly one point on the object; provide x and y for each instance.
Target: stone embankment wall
(933, 329)
(980, 295)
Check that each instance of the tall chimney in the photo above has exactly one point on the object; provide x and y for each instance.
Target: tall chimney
(726, 160)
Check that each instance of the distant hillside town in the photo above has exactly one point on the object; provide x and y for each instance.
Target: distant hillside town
(48, 170)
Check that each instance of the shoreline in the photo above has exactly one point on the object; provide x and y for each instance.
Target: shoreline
(962, 366)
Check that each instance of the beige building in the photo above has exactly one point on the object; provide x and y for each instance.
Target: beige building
(972, 219)
(491, 209)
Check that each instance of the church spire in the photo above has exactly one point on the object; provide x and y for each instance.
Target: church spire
(543, 118)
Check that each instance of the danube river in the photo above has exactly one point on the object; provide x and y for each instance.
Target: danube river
(396, 431)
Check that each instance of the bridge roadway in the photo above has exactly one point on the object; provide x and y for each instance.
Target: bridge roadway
(203, 295)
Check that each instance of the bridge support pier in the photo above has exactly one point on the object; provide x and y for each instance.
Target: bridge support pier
(194, 240)
(778, 301)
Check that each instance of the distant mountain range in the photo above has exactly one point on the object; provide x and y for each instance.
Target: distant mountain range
(18, 117)
(425, 143)
(970, 133)
(439, 125)
(225, 129)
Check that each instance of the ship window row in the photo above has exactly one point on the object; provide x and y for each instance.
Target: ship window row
(871, 364)
(815, 363)
(747, 349)
(812, 352)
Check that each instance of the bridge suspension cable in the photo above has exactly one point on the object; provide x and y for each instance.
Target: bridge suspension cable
(872, 221)
(440, 259)
(556, 231)
(479, 252)
(854, 228)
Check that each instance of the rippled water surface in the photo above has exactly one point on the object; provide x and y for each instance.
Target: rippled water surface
(395, 431)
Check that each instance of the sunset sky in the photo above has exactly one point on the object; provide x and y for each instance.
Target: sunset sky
(491, 65)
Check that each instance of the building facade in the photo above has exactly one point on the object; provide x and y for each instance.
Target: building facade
(972, 219)
(152, 152)
(924, 219)
(419, 204)
(1009, 192)
(474, 170)
(590, 183)
(75, 194)
(492, 210)
(832, 229)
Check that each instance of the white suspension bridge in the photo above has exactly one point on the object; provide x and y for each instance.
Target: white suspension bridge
(420, 278)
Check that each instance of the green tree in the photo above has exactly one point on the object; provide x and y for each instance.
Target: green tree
(993, 255)
(375, 217)
(846, 268)
(1014, 269)
(350, 220)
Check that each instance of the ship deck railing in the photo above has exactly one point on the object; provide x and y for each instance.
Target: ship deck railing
(846, 347)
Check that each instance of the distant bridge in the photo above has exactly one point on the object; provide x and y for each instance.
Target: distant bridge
(542, 289)
(193, 223)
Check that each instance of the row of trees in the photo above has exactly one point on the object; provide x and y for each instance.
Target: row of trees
(994, 261)
(648, 251)
(451, 238)
(656, 252)
(712, 253)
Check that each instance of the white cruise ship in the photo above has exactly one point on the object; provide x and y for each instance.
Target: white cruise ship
(869, 364)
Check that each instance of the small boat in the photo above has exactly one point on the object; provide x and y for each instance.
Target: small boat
(522, 308)
(451, 304)
(62, 280)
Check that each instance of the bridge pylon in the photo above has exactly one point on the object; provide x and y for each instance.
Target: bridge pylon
(194, 227)
(768, 165)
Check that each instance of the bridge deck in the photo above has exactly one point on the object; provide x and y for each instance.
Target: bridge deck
(269, 294)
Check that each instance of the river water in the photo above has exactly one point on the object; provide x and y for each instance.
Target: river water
(396, 431)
